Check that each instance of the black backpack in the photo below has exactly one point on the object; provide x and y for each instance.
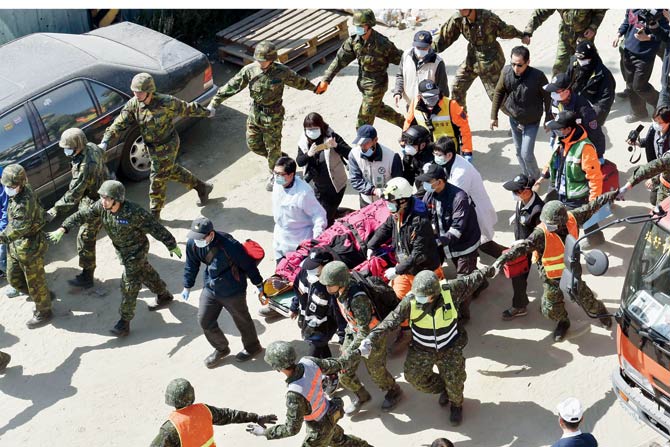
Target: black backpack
(382, 296)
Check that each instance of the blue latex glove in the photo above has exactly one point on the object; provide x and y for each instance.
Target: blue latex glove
(468, 157)
(185, 293)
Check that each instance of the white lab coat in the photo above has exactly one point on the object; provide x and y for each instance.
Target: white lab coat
(297, 214)
(467, 177)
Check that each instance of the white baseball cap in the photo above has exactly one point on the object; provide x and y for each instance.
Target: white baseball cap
(570, 410)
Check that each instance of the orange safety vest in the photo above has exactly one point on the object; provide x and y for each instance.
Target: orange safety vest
(310, 387)
(349, 315)
(554, 248)
(194, 426)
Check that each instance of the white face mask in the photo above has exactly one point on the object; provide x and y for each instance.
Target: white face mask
(410, 150)
(68, 152)
(420, 299)
(11, 192)
(420, 53)
(440, 160)
(555, 96)
(200, 243)
(431, 101)
(583, 62)
(658, 127)
(313, 134)
(551, 227)
(312, 278)
(517, 197)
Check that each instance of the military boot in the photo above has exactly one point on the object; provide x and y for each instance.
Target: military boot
(561, 329)
(162, 301)
(392, 398)
(456, 416)
(83, 280)
(4, 360)
(203, 189)
(121, 328)
(357, 402)
(216, 358)
(39, 319)
(606, 322)
(444, 399)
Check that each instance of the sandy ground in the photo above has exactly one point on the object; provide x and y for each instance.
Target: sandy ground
(71, 383)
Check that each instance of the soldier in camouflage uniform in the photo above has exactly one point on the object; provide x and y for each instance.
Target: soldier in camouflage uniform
(88, 173)
(266, 80)
(153, 112)
(356, 307)
(485, 58)
(576, 25)
(374, 53)
(4, 360)
(547, 244)
(657, 173)
(27, 246)
(306, 400)
(437, 338)
(178, 429)
(127, 225)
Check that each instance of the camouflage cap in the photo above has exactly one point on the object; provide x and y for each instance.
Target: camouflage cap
(364, 17)
(113, 189)
(179, 393)
(143, 82)
(265, 51)
(74, 139)
(14, 175)
(280, 355)
(554, 213)
(426, 283)
(335, 273)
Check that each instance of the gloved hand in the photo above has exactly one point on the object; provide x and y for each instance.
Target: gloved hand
(468, 157)
(55, 236)
(331, 142)
(51, 214)
(377, 192)
(622, 191)
(176, 251)
(103, 145)
(321, 88)
(390, 273)
(369, 253)
(185, 293)
(489, 271)
(256, 429)
(512, 219)
(365, 347)
(312, 150)
(211, 109)
(267, 419)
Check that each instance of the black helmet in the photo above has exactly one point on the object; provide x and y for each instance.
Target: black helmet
(416, 135)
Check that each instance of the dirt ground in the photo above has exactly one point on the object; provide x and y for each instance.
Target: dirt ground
(71, 383)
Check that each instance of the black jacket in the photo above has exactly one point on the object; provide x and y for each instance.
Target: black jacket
(316, 169)
(414, 241)
(412, 167)
(527, 217)
(594, 82)
(589, 121)
(522, 96)
(655, 146)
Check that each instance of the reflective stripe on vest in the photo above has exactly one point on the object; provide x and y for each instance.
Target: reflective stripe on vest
(554, 248)
(309, 386)
(442, 125)
(349, 315)
(194, 426)
(434, 331)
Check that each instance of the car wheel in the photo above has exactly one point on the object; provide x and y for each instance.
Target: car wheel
(135, 161)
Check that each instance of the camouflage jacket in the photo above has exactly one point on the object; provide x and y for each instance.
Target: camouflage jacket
(354, 300)
(652, 169)
(296, 404)
(88, 173)
(460, 289)
(155, 119)
(266, 88)
(374, 56)
(573, 21)
(169, 437)
(482, 34)
(25, 221)
(127, 228)
(535, 242)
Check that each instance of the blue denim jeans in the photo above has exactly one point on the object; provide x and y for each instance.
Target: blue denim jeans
(3, 258)
(524, 141)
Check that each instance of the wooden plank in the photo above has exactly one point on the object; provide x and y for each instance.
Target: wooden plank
(307, 62)
(235, 54)
(279, 28)
(263, 15)
(305, 32)
(240, 35)
(315, 30)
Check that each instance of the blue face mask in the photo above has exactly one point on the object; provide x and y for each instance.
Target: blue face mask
(280, 180)
(369, 152)
(427, 187)
(359, 30)
(440, 160)
(420, 299)
(392, 207)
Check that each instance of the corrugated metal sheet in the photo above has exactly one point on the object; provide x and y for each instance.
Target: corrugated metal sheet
(15, 23)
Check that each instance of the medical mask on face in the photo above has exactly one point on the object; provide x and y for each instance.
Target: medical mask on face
(369, 152)
(280, 180)
(68, 152)
(555, 96)
(440, 160)
(517, 197)
(583, 62)
(420, 53)
(392, 207)
(312, 279)
(313, 134)
(658, 127)
(200, 243)
(427, 187)
(410, 150)
(551, 227)
(431, 101)
(420, 299)
(359, 30)
(11, 192)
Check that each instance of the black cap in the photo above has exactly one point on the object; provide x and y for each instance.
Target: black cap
(423, 39)
(316, 259)
(432, 172)
(585, 50)
(519, 183)
(364, 134)
(427, 88)
(200, 228)
(559, 82)
(566, 118)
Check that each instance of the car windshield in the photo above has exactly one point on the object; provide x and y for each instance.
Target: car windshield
(646, 292)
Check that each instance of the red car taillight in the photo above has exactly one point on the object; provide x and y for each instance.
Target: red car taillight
(207, 80)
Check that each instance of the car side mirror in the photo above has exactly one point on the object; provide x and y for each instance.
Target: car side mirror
(597, 262)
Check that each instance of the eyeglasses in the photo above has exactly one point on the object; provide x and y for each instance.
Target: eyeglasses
(283, 174)
(517, 65)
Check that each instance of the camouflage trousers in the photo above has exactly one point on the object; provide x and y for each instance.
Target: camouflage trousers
(327, 432)
(264, 134)
(565, 49)
(659, 194)
(26, 274)
(137, 272)
(451, 375)
(553, 306)
(487, 67)
(164, 169)
(375, 364)
(87, 238)
(373, 105)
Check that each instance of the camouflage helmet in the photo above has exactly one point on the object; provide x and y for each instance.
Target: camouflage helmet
(74, 139)
(14, 175)
(554, 213)
(426, 283)
(364, 17)
(179, 393)
(143, 82)
(280, 355)
(265, 51)
(335, 273)
(113, 189)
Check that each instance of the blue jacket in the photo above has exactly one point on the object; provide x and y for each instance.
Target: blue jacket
(589, 119)
(581, 440)
(643, 50)
(221, 278)
(3, 206)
